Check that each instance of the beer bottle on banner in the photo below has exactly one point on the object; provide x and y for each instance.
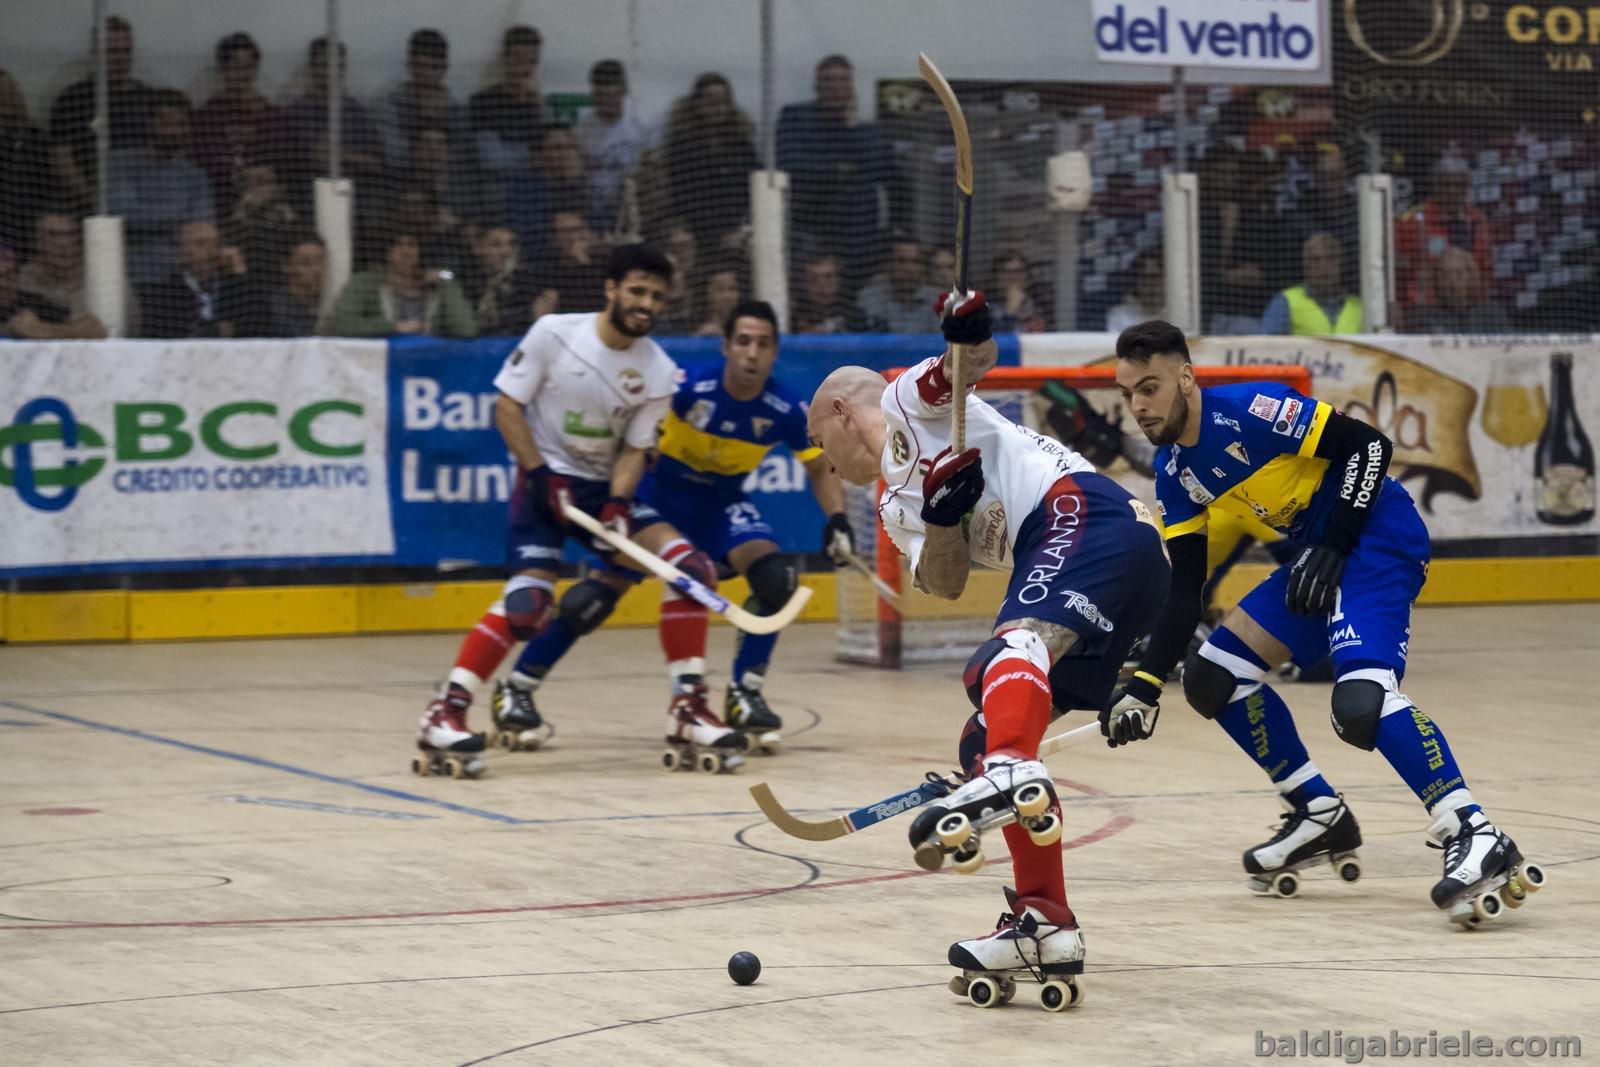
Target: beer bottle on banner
(1563, 464)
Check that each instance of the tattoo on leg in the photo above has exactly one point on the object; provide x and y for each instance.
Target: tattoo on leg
(1057, 638)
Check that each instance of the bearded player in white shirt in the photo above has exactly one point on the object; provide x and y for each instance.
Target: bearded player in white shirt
(580, 402)
(1088, 578)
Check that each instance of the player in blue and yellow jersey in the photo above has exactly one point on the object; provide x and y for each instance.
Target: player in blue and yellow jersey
(723, 420)
(1265, 451)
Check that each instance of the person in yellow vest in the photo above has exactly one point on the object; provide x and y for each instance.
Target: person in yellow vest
(1322, 304)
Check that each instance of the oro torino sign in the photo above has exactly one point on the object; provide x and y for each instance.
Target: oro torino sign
(1253, 34)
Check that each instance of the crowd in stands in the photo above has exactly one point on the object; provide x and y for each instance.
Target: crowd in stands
(476, 216)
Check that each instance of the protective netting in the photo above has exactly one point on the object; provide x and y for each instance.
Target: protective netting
(1079, 406)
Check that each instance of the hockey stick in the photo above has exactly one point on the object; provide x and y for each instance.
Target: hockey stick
(958, 126)
(748, 621)
(885, 590)
(889, 807)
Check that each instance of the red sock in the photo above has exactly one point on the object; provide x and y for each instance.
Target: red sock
(1016, 698)
(1036, 868)
(484, 647)
(683, 621)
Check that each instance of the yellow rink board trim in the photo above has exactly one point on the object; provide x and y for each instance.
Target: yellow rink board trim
(285, 611)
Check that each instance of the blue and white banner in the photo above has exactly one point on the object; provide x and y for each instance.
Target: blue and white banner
(1250, 34)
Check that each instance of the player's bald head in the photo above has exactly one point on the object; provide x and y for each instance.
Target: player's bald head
(853, 385)
(847, 423)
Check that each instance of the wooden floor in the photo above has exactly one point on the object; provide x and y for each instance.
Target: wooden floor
(216, 853)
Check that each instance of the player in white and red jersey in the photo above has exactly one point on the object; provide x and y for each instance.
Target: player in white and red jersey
(1088, 577)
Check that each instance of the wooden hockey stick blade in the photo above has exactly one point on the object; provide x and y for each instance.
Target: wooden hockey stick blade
(963, 139)
(861, 818)
(748, 621)
(885, 590)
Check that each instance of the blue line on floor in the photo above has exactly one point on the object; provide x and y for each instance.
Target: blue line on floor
(259, 762)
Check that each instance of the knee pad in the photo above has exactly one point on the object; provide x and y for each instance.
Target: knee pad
(973, 745)
(773, 580)
(691, 561)
(1357, 706)
(1018, 643)
(1208, 686)
(587, 604)
(528, 604)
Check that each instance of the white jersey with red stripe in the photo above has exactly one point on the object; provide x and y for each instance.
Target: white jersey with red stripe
(1018, 465)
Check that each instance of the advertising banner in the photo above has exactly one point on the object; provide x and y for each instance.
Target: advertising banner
(133, 454)
(1491, 434)
(1278, 35)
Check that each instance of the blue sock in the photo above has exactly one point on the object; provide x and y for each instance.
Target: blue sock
(1260, 723)
(540, 654)
(1415, 747)
(752, 653)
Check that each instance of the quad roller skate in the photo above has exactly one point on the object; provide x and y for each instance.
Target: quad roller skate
(1323, 829)
(518, 726)
(1484, 872)
(697, 739)
(1007, 790)
(746, 711)
(447, 747)
(1038, 940)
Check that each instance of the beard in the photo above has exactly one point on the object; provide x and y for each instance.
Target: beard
(619, 319)
(1172, 428)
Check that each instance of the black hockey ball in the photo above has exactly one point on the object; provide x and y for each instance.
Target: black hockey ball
(744, 968)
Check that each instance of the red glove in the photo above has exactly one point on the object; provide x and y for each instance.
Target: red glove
(548, 489)
(952, 488)
(964, 317)
(618, 514)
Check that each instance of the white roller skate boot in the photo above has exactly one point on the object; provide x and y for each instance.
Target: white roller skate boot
(1037, 940)
(746, 710)
(1484, 871)
(696, 738)
(518, 725)
(1008, 789)
(1322, 829)
(447, 746)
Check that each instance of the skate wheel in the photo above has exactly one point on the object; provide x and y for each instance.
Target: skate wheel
(1530, 877)
(1487, 907)
(419, 766)
(507, 741)
(1349, 869)
(1008, 990)
(930, 857)
(1513, 895)
(1285, 884)
(984, 992)
(1046, 830)
(1058, 995)
(455, 767)
(709, 762)
(1031, 799)
(967, 862)
(671, 760)
(954, 830)
(958, 985)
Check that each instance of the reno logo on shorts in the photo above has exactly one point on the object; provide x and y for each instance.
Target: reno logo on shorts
(1086, 607)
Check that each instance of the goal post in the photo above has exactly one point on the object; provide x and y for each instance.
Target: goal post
(925, 629)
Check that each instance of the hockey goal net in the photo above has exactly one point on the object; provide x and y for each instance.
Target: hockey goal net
(1079, 406)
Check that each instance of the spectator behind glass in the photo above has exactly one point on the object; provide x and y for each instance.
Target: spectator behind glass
(295, 306)
(28, 316)
(901, 301)
(400, 298)
(458, 186)
(942, 269)
(612, 137)
(55, 275)
(1242, 259)
(209, 295)
(436, 227)
(25, 180)
(298, 137)
(508, 116)
(156, 188)
(1442, 221)
(261, 224)
(228, 128)
(1326, 204)
(1144, 293)
(708, 154)
(1014, 308)
(1463, 307)
(1324, 303)
(682, 248)
(556, 184)
(719, 294)
(571, 275)
(500, 293)
(422, 100)
(837, 166)
(820, 305)
(72, 115)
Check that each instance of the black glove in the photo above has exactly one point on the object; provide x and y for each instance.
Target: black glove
(964, 317)
(838, 540)
(548, 490)
(952, 488)
(1133, 712)
(1314, 580)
